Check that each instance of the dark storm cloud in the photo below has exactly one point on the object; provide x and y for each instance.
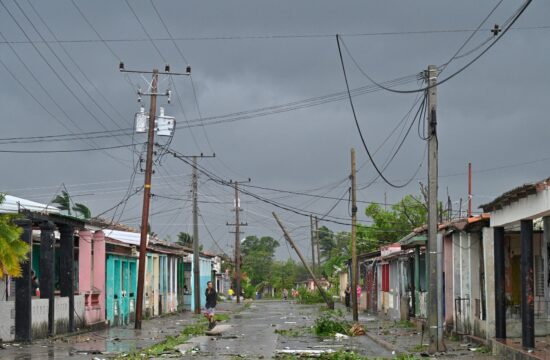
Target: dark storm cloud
(493, 114)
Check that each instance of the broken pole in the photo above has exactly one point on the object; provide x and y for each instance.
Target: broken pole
(329, 301)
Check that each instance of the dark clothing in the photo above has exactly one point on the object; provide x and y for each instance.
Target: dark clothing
(347, 298)
(211, 298)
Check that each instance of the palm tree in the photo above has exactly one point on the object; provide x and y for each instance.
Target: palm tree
(12, 249)
(82, 210)
(63, 202)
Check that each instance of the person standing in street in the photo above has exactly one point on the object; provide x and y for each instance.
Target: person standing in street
(347, 298)
(211, 300)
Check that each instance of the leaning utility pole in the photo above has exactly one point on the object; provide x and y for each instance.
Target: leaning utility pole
(434, 323)
(354, 274)
(146, 199)
(151, 128)
(327, 299)
(317, 245)
(237, 225)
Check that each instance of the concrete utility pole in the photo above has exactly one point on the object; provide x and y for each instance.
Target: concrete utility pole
(312, 241)
(317, 245)
(434, 322)
(146, 199)
(469, 189)
(328, 301)
(196, 262)
(238, 225)
(354, 274)
(151, 128)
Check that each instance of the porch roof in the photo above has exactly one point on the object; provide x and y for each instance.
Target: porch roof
(528, 201)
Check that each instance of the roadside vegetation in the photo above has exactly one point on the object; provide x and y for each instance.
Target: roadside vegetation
(168, 346)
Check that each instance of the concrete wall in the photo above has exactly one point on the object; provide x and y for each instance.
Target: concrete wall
(489, 260)
(449, 277)
(7, 320)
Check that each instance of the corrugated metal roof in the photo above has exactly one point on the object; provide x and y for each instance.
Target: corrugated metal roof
(14, 204)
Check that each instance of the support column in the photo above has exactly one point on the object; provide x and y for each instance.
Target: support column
(23, 289)
(416, 280)
(66, 269)
(500, 296)
(47, 271)
(527, 286)
(98, 269)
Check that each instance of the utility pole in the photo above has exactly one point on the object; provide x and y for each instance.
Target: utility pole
(196, 251)
(469, 190)
(196, 262)
(312, 242)
(353, 239)
(329, 302)
(148, 176)
(317, 244)
(434, 322)
(146, 199)
(238, 225)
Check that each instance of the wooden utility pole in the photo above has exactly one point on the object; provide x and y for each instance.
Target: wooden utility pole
(312, 241)
(317, 245)
(146, 200)
(327, 299)
(354, 274)
(151, 124)
(434, 322)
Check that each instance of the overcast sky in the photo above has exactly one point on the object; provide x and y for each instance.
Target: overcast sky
(247, 55)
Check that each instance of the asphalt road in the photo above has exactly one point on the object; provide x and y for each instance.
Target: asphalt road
(253, 334)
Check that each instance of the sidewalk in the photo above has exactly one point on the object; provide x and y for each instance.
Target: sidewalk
(105, 343)
(405, 338)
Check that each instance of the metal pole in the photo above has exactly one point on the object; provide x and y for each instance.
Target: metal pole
(329, 302)
(146, 199)
(436, 343)
(196, 264)
(354, 274)
(237, 242)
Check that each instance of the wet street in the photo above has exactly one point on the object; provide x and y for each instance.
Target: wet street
(257, 330)
(254, 334)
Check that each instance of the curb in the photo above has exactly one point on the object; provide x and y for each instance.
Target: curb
(383, 343)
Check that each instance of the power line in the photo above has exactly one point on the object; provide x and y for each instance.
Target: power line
(272, 36)
(359, 128)
(66, 150)
(509, 23)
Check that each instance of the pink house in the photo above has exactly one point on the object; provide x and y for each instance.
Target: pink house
(91, 275)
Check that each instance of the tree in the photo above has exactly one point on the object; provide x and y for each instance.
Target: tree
(185, 239)
(254, 244)
(13, 250)
(326, 241)
(390, 226)
(258, 256)
(82, 210)
(63, 202)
